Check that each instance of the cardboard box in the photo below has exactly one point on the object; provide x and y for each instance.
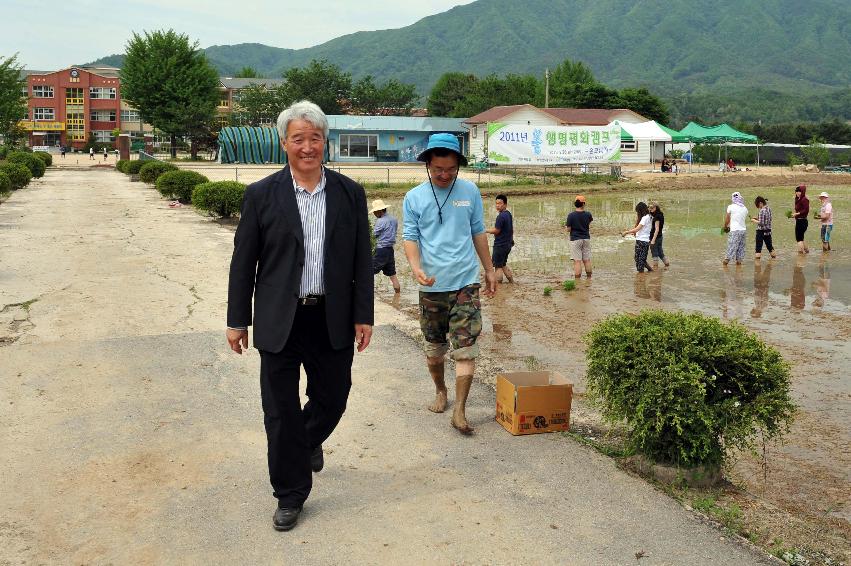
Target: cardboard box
(529, 402)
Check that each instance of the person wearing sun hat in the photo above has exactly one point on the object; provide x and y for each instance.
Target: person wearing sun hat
(825, 214)
(443, 233)
(383, 259)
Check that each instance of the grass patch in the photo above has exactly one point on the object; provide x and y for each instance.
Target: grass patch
(533, 364)
(548, 291)
(568, 285)
(730, 516)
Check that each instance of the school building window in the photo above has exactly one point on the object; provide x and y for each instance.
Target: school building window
(42, 91)
(103, 135)
(101, 92)
(358, 145)
(74, 95)
(102, 115)
(43, 114)
(629, 145)
(130, 116)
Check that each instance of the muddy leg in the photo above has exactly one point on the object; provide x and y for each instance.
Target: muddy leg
(508, 274)
(459, 417)
(436, 369)
(395, 281)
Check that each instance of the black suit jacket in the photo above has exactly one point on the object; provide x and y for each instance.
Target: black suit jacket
(268, 258)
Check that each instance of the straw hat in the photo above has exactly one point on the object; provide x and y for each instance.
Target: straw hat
(377, 204)
(824, 194)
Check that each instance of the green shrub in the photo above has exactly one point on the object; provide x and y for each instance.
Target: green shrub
(45, 157)
(219, 198)
(5, 183)
(179, 184)
(151, 170)
(548, 291)
(568, 285)
(121, 164)
(4, 149)
(133, 167)
(816, 152)
(18, 173)
(689, 387)
(29, 160)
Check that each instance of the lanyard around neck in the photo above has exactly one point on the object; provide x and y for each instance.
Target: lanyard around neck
(434, 193)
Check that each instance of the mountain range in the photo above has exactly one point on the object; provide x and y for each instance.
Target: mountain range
(673, 48)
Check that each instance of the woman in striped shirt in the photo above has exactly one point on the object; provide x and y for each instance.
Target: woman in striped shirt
(763, 228)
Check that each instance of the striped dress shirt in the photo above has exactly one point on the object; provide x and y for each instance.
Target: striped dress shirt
(311, 208)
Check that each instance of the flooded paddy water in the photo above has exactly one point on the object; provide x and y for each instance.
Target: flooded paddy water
(799, 304)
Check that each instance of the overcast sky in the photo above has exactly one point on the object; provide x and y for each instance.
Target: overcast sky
(53, 34)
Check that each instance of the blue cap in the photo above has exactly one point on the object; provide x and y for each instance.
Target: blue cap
(446, 141)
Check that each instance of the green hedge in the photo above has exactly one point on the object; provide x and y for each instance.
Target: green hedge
(121, 164)
(151, 170)
(18, 173)
(33, 163)
(133, 167)
(690, 388)
(44, 156)
(5, 183)
(219, 198)
(179, 184)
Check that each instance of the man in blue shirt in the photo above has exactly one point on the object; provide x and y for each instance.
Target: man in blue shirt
(503, 231)
(383, 260)
(443, 232)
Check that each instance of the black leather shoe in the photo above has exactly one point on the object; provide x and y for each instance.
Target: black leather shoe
(317, 459)
(286, 518)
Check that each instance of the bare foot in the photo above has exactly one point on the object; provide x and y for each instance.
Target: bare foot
(439, 404)
(461, 425)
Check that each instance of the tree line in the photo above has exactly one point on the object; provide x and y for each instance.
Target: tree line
(570, 85)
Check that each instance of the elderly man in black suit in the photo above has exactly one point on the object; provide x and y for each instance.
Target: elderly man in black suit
(302, 250)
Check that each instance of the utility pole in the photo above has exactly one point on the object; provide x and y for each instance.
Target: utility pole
(547, 88)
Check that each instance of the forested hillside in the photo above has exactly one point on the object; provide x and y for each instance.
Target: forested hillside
(680, 50)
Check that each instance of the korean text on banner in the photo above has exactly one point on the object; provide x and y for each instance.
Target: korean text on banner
(553, 145)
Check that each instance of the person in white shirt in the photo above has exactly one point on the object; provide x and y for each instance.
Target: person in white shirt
(735, 223)
(642, 230)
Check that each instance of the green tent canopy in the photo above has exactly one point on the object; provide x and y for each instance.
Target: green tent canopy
(676, 137)
(714, 134)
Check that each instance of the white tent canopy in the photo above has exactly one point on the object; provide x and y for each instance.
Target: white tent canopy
(646, 131)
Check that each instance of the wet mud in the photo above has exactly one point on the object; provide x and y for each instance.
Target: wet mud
(797, 303)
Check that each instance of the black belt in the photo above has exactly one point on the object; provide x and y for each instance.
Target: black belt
(311, 300)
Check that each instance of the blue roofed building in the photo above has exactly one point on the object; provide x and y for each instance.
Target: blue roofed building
(359, 139)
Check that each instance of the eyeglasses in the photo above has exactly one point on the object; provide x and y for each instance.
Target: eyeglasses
(442, 171)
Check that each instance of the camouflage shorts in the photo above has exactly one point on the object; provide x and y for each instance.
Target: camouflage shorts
(457, 313)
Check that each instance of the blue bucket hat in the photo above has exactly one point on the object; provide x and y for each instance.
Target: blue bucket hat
(445, 141)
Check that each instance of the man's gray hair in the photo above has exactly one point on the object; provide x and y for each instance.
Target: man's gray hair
(303, 110)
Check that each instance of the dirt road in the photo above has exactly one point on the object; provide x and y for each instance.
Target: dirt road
(130, 434)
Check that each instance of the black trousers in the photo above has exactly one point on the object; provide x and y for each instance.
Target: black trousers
(292, 432)
(763, 237)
